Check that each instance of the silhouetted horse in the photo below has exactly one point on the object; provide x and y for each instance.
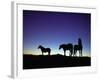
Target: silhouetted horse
(67, 47)
(78, 47)
(44, 49)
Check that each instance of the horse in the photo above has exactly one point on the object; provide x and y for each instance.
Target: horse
(44, 49)
(78, 47)
(67, 47)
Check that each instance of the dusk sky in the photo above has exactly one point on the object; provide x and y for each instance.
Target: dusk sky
(51, 29)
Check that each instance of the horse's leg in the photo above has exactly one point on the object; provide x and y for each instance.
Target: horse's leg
(70, 52)
(49, 53)
(64, 52)
(74, 52)
(42, 52)
(81, 52)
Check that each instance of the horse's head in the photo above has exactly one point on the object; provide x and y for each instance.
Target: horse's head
(39, 46)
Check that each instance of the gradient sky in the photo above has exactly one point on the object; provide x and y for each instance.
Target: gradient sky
(51, 29)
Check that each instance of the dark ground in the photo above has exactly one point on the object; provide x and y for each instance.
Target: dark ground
(54, 61)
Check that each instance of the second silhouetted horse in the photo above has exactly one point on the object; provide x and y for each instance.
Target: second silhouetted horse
(78, 47)
(67, 47)
(43, 50)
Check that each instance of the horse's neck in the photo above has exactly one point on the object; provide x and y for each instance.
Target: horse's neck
(80, 43)
(42, 48)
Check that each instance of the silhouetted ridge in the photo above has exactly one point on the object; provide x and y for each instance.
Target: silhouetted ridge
(40, 61)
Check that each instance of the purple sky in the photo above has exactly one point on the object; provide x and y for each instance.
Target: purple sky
(51, 29)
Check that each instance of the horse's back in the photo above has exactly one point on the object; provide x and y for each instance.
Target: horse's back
(77, 47)
(48, 49)
(70, 45)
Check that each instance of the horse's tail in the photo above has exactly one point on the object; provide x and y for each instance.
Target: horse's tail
(49, 51)
(74, 50)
